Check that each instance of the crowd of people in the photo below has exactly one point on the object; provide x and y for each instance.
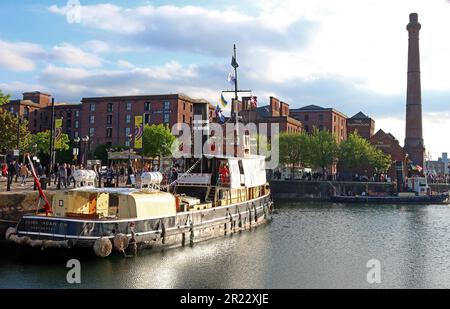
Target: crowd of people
(438, 178)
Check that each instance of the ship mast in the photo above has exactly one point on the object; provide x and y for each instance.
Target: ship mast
(234, 105)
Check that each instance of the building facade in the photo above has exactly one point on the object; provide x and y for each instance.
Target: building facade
(329, 119)
(362, 124)
(110, 120)
(390, 145)
(277, 112)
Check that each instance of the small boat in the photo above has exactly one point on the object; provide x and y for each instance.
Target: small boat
(418, 193)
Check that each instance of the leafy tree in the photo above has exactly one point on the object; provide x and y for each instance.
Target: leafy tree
(4, 98)
(259, 144)
(289, 153)
(101, 153)
(42, 140)
(380, 161)
(9, 124)
(355, 152)
(323, 150)
(157, 141)
(294, 149)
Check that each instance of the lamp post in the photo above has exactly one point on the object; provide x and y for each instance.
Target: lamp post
(85, 140)
(76, 149)
(35, 158)
(129, 172)
(19, 122)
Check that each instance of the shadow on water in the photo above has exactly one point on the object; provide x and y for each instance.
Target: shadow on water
(307, 245)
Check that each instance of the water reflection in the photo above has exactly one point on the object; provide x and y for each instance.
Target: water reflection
(308, 245)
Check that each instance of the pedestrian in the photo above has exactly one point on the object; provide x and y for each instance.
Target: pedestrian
(23, 173)
(56, 172)
(4, 170)
(69, 174)
(39, 169)
(11, 171)
(62, 176)
(17, 168)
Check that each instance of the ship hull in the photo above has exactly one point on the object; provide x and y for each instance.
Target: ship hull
(180, 230)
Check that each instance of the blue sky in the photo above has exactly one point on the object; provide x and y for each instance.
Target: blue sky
(346, 54)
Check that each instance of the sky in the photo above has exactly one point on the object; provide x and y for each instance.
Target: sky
(347, 54)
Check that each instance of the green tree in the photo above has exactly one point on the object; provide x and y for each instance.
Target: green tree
(4, 98)
(42, 140)
(380, 161)
(101, 153)
(323, 150)
(294, 149)
(157, 141)
(9, 128)
(354, 152)
(357, 152)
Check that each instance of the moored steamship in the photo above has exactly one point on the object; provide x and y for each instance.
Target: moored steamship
(214, 195)
(126, 218)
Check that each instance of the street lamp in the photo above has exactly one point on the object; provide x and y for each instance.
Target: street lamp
(76, 149)
(130, 137)
(19, 122)
(85, 140)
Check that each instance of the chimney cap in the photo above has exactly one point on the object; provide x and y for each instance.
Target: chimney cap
(414, 18)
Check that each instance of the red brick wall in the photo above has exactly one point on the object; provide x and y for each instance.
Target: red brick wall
(364, 127)
(327, 120)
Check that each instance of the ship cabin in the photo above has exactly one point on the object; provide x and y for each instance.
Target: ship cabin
(113, 203)
(220, 180)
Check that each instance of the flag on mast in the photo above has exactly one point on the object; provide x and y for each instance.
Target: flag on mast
(219, 115)
(234, 63)
(223, 101)
(253, 102)
(231, 78)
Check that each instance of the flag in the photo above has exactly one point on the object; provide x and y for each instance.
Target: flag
(58, 133)
(223, 101)
(219, 115)
(253, 102)
(138, 132)
(231, 78)
(234, 63)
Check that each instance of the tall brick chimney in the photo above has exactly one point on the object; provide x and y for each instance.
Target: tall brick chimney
(274, 107)
(414, 145)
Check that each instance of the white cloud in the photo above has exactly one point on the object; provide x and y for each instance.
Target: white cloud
(17, 88)
(97, 46)
(19, 56)
(73, 56)
(123, 64)
(193, 28)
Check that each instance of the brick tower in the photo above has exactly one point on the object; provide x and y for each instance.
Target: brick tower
(414, 145)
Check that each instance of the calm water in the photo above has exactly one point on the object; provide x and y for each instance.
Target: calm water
(307, 245)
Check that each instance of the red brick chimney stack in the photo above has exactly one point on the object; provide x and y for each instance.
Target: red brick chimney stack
(414, 144)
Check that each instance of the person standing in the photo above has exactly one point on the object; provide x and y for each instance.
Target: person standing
(23, 173)
(17, 168)
(11, 171)
(69, 175)
(62, 176)
(56, 172)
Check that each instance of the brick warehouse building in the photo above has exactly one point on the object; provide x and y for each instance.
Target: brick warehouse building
(276, 112)
(313, 116)
(36, 107)
(390, 145)
(361, 123)
(109, 120)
